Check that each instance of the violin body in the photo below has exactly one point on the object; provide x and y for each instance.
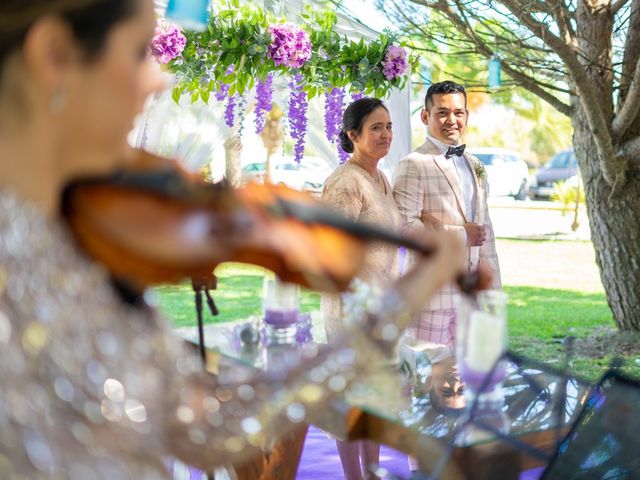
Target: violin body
(155, 223)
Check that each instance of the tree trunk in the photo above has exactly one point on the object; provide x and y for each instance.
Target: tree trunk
(615, 229)
(232, 150)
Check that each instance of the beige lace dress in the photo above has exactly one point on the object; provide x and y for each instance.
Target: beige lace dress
(352, 191)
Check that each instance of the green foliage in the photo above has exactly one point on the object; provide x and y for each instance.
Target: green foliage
(548, 130)
(239, 36)
(569, 193)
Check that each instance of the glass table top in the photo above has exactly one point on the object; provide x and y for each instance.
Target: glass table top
(533, 397)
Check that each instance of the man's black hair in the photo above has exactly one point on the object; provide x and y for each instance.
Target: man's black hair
(439, 88)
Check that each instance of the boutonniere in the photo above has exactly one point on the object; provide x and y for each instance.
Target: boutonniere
(481, 173)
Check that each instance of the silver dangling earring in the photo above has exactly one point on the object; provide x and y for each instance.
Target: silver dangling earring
(58, 101)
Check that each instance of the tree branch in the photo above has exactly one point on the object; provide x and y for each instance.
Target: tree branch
(630, 152)
(589, 96)
(534, 87)
(561, 15)
(615, 7)
(526, 81)
(631, 52)
(630, 107)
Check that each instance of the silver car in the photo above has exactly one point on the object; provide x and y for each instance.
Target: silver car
(562, 166)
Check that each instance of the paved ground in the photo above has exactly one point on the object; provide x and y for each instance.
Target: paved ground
(535, 220)
(558, 264)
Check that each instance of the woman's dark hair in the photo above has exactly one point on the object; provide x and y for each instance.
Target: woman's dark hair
(354, 117)
(90, 21)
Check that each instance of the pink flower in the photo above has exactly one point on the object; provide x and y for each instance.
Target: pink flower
(168, 42)
(395, 62)
(290, 45)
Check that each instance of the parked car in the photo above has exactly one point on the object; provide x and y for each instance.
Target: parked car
(507, 173)
(562, 166)
(254, 172)
(308, 175)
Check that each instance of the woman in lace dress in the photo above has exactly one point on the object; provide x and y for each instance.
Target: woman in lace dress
(92, 386)
(360, 191)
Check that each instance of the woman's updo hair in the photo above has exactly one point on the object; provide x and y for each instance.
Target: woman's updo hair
(354, 117)
(89, 20)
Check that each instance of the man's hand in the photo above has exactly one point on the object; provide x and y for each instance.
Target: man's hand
(476, 234)
(430, 222)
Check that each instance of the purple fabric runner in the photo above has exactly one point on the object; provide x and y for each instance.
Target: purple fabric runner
(320, 461)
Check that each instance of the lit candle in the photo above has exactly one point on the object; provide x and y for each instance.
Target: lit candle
(485, 341)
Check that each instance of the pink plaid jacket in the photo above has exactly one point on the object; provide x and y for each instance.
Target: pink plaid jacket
(425, 181)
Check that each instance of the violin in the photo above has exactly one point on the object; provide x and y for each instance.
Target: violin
(156, 223)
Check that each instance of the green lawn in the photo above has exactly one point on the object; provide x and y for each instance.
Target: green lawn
(238, 296)
(539, 318)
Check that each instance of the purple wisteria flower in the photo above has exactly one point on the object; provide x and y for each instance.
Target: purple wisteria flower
(264, 101)
(298, 104)
(334, 103)
(344, 156)
(168, 42)
(221, 94)
(395, 62)
(290, 45)
(223, 90)
(356, 96)
(229, 111)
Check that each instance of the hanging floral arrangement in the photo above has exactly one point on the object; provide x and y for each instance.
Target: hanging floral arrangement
(243, 48)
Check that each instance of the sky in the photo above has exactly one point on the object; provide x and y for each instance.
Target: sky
(367, 13)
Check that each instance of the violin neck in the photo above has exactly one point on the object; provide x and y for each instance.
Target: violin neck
(311, 214)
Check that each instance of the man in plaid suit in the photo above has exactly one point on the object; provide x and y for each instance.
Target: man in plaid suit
(440, 186)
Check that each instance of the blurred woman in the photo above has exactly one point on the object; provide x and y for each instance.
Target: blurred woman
(92, 386)
(360, 191)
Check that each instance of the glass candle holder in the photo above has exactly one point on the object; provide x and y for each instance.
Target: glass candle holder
(281, 308)
(481, 340)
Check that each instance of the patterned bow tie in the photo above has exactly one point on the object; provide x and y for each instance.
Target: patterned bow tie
(451, 151)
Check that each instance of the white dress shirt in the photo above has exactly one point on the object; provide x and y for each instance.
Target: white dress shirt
(465, 176)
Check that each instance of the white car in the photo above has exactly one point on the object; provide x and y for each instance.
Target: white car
(308, 175)
(507, 173)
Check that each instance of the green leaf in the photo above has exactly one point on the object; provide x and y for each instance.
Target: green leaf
(176, 94)
(226, 14)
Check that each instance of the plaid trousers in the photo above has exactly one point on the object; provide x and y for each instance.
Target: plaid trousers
(434, 326)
